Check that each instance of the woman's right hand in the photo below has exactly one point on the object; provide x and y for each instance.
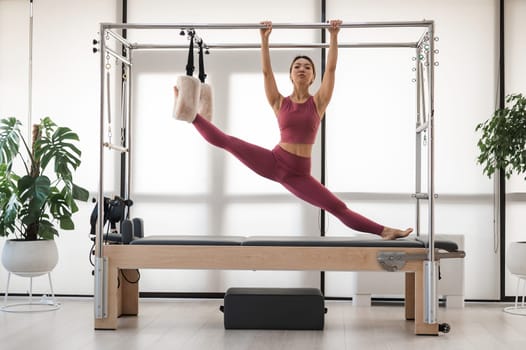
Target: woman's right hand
(334, 26)
(265, 32)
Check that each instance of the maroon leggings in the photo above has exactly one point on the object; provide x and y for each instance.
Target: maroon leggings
(290, 170)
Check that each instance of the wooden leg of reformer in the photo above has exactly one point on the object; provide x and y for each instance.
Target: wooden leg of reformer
(409, 295)
(421, 328)
(129, 292)
(110, 321)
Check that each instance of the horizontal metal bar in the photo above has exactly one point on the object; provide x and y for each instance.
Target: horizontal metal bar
(275, 46)
(117, 56)
(119, 38)
(451, 255)
(401, 24)
(115, 147)
(283, 198)
(421, 196)
(516, 196)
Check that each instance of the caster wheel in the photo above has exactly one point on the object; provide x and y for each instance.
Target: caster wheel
(444, 327)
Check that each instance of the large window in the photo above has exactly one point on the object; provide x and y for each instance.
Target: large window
(371, 130)
(182, 185)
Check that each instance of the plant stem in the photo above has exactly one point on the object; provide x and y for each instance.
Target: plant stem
(35, 166)
(29, 152)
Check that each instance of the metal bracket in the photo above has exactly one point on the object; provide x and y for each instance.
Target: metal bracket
(101, 287)
(395, 261)
(391, 261)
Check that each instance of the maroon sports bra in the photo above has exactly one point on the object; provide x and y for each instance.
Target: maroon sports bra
(298, 122)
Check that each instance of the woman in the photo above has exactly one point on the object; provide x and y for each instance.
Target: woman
(298, 116)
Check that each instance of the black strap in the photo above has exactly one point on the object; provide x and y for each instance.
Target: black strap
(202, 74)
(190, 62)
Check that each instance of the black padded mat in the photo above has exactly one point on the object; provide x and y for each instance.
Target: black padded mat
(292, 241)
(345, 242)
(189, 240)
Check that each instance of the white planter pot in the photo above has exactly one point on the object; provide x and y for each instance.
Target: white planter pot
(30, 258)
(516, 258)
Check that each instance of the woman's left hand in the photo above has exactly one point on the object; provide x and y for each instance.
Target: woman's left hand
(265, 32)
(334, 26)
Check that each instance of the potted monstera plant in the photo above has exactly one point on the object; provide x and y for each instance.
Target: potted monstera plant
(503, 146)
(37, 193)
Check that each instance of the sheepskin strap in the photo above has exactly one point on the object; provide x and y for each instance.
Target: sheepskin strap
(186, 101)
(206, 102)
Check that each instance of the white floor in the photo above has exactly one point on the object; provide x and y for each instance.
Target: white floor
(198, 324)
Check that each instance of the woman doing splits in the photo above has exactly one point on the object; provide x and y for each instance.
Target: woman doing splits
(298, 116)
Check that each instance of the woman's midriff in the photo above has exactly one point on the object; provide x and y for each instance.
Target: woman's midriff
(299, 149)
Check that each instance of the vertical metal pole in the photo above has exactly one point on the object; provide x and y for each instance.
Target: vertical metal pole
(418, 141)
(51, 286)
(431, 148)
(323, 122)
(323, 140)
(430, 265)
(100, 286)
(31, 289)
(7, 288)
(100, 199)
(125, 157)
(129, 127)
(501, 193)
(30, 73)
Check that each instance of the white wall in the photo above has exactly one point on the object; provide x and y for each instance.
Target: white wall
(182, 185)
(515, 83)
(66, 88)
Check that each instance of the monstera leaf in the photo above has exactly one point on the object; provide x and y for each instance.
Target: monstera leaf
(32, 204)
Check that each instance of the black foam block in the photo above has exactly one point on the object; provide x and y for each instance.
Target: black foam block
(274, 308)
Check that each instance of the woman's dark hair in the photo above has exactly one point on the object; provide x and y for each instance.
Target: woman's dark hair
(306, 58)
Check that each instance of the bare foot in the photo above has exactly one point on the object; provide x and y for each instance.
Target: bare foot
(392, 233)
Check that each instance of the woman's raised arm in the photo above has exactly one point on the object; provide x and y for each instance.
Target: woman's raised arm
(271, 90)
(324, 94)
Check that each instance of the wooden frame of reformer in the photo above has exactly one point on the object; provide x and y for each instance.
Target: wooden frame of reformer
(123, 296)
(110, 260)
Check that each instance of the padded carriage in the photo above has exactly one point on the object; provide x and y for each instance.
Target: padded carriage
(291, 241)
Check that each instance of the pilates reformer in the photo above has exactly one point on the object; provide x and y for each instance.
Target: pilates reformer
(269, 253)
(419, 258)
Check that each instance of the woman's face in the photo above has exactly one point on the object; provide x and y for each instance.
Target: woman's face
(302, 71)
